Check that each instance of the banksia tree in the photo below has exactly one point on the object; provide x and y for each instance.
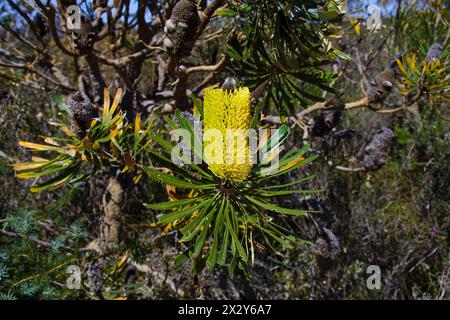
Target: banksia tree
(175, 165)
(229, 202)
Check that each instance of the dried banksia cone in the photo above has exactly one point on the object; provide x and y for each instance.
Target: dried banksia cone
(376, 152)
(81, 107)
(181, 28)
(326, 245)
(435, 51)
(95, 275)
(326, 248)
(382, 86)
(84, 37)
(325, 122)
(384, 81)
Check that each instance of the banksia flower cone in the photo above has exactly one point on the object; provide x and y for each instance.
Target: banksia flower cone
(226, 123)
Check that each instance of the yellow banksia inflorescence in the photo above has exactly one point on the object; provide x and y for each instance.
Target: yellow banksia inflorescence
(227, 117)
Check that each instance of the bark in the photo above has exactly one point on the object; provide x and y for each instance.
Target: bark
(110, 224)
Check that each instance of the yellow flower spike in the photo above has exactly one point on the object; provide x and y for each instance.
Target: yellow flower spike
(225, 111)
